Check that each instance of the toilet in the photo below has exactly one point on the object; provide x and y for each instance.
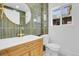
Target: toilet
(51, 49)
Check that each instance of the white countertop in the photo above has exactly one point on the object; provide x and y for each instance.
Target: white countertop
(9, 42)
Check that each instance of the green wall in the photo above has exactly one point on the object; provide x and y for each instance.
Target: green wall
(9, 29)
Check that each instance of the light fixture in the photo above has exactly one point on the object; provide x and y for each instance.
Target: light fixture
(35, 20)
(17, 6)
(45, 17)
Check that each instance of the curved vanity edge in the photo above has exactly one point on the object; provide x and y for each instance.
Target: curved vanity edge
(10, 42)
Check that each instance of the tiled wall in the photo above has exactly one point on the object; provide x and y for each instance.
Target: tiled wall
(9, 29)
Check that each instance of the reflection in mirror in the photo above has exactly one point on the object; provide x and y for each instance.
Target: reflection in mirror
(22, 7)
(15, 16)
(21, 19)
(12, 15)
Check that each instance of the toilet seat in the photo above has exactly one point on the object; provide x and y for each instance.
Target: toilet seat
(53, 47)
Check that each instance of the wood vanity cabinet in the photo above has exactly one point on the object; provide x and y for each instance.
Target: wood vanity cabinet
(32, 48)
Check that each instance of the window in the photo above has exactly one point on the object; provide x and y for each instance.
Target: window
(66, 14)
(56, 21)
(67, 20)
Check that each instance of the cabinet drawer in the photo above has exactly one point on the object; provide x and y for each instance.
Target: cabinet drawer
(34, 43)
(38, 42)
(12, 49)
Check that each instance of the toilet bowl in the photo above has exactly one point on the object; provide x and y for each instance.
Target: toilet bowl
(52, 49)
(53, 46)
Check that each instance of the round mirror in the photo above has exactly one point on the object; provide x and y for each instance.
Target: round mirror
(14, 16)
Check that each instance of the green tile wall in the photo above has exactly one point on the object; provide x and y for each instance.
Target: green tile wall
(9, 29)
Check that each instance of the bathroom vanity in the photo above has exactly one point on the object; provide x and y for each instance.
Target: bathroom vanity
(29, 45)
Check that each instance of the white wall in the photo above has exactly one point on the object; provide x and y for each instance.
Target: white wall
(67, 36)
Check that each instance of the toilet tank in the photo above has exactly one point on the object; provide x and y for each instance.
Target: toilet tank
(45, 38)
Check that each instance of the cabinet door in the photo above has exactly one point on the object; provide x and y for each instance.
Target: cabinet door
(3, 53)
(36, 52)
(26, 54)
